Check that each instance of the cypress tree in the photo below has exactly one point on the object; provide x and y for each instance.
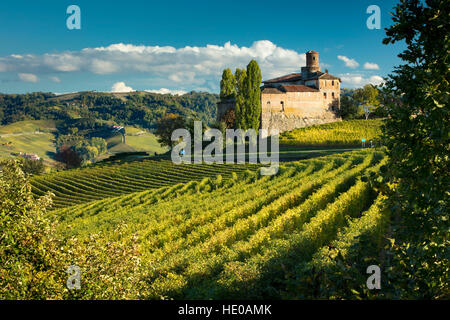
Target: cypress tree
(240, 76)
(227, 85)
(252, 97)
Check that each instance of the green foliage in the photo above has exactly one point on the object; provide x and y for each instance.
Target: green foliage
(240, 76)
(32, 167)
(28, 248)
(34, 260)
(350, 109)
(250, 113)
(367, 99)
(227, 85)
(417, 137)
(166, 126)
(138, 108)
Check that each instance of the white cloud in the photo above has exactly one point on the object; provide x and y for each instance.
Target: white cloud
(193, 67)
(371, 66)
(357, 80)
(351, 63)
(376, 80)
(55, 79)
(28, 77)
(167, 91)
(121, 87)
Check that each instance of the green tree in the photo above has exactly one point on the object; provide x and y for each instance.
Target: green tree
(28, 251)
(240, 76)
(166, 125)
(417, 135)
(227, 85)
(251, 111)
(367, 99)
(31, 166)
(349, 108)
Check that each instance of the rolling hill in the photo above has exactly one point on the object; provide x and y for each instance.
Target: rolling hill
(240, 235)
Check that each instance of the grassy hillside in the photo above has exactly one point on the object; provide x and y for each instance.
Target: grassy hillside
(33, 136)
(343, 133)
(250, 236)
(38, 137)
(143, 140)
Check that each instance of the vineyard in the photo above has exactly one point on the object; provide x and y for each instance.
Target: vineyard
(342, 133)
(115, 178)
(236, 234)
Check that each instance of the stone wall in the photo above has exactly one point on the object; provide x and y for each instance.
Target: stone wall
(291, 110)
(283, 122)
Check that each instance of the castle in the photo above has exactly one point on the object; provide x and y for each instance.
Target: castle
(297, 100)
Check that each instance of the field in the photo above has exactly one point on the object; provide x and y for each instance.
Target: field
(34, 137)
(37, 137)
(336, 134)
(143, 140)
(113, 179)
(229, 232)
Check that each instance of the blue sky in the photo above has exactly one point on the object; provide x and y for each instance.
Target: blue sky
(184, 45)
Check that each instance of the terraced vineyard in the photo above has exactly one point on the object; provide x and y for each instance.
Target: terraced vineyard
(239, 237)
(113, 179)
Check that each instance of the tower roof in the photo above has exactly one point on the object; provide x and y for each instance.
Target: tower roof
(312, 51)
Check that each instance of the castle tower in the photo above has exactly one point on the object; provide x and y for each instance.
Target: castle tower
(312, 63)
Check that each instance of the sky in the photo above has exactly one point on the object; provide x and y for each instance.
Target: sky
(179, 46)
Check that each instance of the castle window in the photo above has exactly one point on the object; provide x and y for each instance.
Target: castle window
(332, 94)
(282, 106)
(332, 83)
(325, 95)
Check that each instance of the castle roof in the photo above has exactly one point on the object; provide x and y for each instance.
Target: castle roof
(322, 75)
(297, 88)
(287, 78)
(287, 88)
(270, 90)
(293, 77)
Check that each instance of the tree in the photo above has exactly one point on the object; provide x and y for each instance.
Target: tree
(349, 108)
(32, 167)
(67, 155)
(229, 118)
(367, 98)
(28, 251)
(227, 85)
(166, 125)
(240, 76)
(416, 134)
(251, 111)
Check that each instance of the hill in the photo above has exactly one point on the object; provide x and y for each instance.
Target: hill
(38, 137)
(141, 109)
(115, 178)
(248, 236)
(35, 137)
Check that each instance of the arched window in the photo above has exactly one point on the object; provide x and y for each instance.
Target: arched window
(282, 106)
(332, 83)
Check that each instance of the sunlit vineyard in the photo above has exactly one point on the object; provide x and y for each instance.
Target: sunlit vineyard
(114, 179)
(233, 234)
(342, 133)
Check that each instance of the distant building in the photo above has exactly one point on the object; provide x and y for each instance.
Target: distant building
(298, 99)
(29, 156)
